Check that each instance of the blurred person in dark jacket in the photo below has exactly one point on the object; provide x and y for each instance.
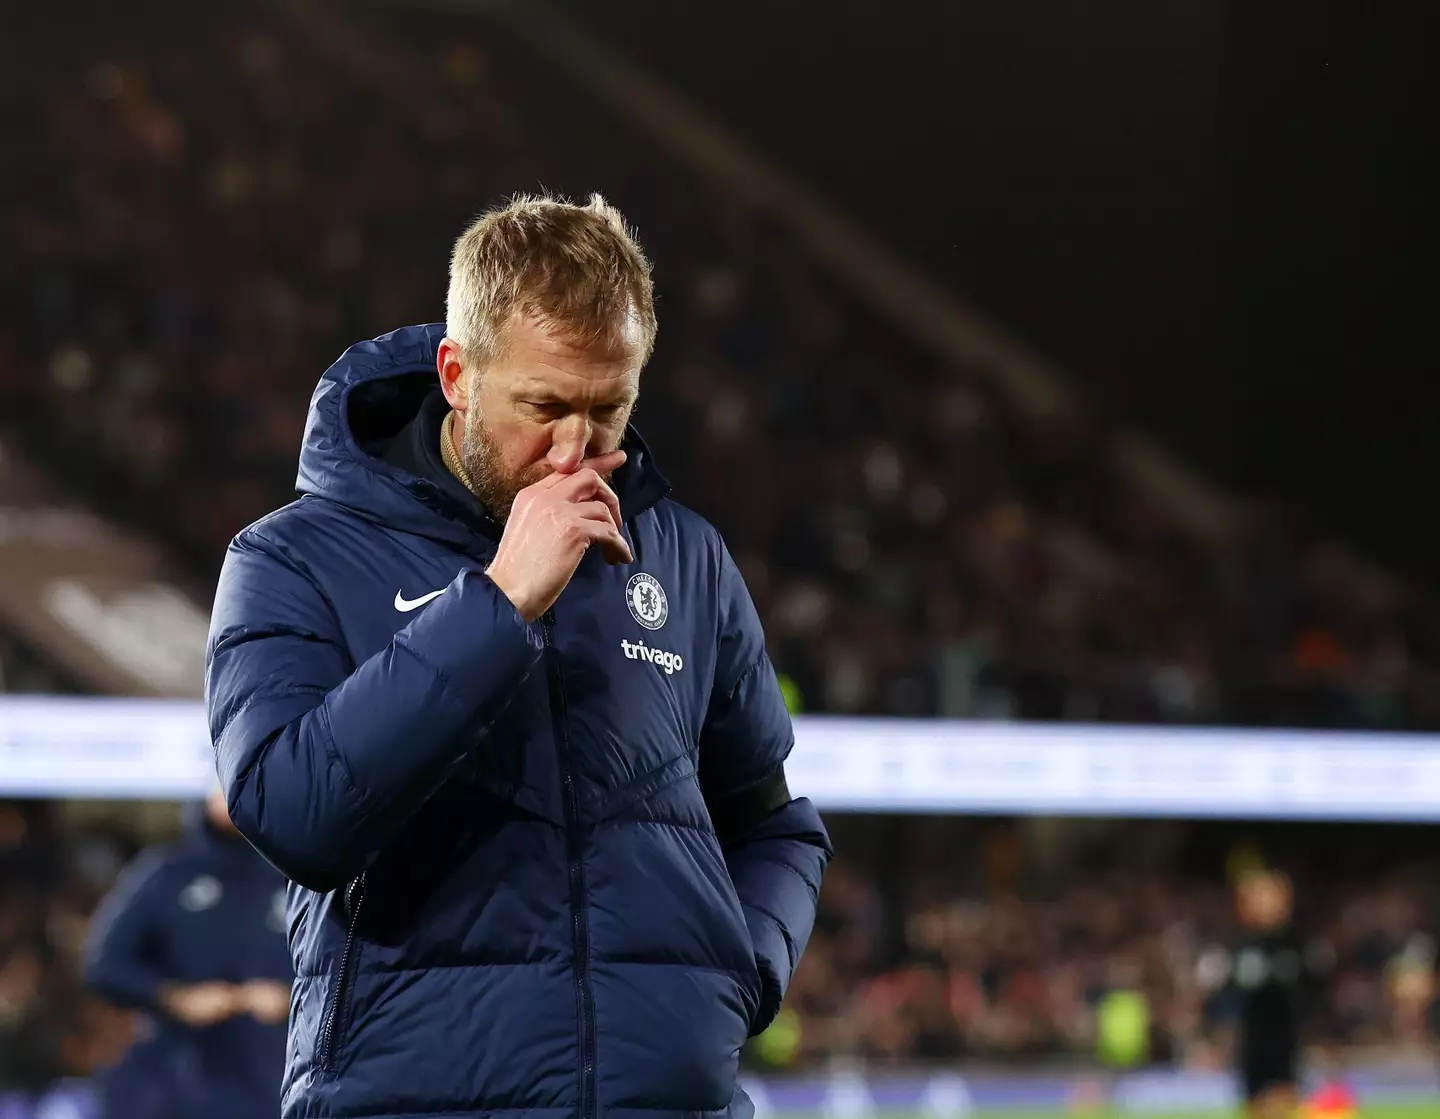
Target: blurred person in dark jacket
(1270, 985)
(193, 936)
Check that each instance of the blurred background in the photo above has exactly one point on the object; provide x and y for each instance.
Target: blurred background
(1055, 372)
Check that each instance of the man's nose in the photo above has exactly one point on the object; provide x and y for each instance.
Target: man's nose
(567, 448)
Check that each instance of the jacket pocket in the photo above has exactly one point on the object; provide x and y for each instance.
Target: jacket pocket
(745, 967)
(337, 1012)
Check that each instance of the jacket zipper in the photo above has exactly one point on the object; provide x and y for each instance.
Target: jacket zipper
(354, 899)
(574, 842)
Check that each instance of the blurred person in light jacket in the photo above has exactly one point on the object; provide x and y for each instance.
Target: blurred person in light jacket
(193, 936)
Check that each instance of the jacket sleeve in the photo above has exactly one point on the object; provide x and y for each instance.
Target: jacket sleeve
(775, 854)
(122, 955)
(322, 761)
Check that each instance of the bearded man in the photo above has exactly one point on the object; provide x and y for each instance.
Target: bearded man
(501, 711)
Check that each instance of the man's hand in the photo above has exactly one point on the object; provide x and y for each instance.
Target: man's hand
(265, 1000)
(201, 1004)
(552, 524)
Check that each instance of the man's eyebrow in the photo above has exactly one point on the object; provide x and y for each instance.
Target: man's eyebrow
(543, 395)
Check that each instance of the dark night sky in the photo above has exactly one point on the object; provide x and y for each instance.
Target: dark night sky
(1203, 217)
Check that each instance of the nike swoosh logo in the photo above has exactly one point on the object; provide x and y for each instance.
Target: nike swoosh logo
(405, 605)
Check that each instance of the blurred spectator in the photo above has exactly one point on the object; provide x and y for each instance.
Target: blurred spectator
(193, 937)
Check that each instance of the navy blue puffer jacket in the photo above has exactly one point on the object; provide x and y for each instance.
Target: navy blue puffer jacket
(509, 893)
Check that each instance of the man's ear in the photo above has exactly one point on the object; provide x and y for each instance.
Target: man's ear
(450, 364)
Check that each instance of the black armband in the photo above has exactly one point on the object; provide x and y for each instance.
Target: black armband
(735, 815)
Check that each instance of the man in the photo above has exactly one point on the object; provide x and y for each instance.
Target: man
(1268, 982)
(502, 711)
(194, 936)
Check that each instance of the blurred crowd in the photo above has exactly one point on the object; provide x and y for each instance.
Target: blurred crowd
(205, 206)
(22, 671)
(937, 939)
(51, 877)
(992, 965)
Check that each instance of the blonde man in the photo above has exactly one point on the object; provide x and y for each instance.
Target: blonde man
(501, 711)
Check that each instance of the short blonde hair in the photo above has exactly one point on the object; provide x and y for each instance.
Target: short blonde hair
(578, 269)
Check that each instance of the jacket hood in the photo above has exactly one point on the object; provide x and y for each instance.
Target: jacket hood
(366, 398)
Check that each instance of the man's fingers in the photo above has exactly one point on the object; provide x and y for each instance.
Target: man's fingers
(577, 486)
(594, 510)
(607, 495)
(599, 529)
(601, 464)
(616, 550)
(588, 485)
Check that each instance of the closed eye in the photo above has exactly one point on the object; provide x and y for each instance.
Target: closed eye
(550, 409)
(556, 409)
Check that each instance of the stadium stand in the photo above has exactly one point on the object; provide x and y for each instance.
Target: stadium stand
(917, 956)
(240, 199)
(51, 876)
(203, 204)
(1002, 959)
(23, 671)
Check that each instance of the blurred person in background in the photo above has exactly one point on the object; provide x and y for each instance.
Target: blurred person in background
(1269, 982)
(504, 712)
(193, 936)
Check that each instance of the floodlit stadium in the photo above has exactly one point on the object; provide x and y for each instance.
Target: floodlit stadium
(765, 560)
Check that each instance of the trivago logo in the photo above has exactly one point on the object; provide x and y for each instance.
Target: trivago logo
(639, 651)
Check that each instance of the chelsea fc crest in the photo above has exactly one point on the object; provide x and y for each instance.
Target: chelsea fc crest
(646, 599)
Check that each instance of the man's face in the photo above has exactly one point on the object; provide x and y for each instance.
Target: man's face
(543, 406)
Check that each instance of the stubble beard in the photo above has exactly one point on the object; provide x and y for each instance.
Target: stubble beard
(496, 487)
(486, 467)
